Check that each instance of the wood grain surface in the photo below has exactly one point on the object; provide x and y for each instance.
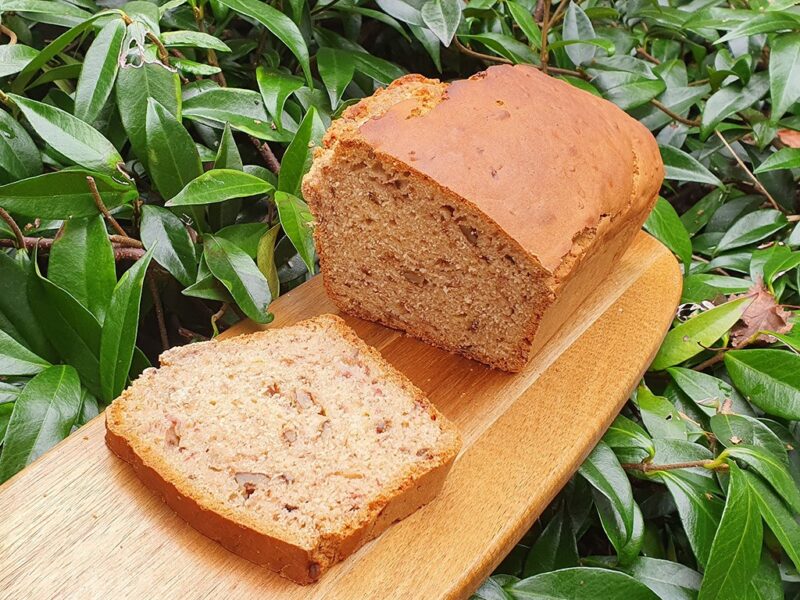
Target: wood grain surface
(78, 524)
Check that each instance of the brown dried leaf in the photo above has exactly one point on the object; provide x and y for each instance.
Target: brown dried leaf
(764, 313)
(789, 137)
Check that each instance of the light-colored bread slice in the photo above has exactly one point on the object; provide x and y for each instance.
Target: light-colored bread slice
(291, 447)
(477, 215)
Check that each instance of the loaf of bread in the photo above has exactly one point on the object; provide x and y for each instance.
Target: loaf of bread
(477, 215)
(291, 447)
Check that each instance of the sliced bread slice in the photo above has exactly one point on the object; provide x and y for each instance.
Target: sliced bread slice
(291, 447)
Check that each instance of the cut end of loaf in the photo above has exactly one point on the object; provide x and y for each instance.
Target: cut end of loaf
(292, 447)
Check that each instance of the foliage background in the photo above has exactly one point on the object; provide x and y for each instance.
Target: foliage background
(150, 160)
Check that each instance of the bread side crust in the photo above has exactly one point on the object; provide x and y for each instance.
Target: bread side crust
(245, 537)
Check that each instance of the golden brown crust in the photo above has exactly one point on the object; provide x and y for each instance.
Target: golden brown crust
(302, 565)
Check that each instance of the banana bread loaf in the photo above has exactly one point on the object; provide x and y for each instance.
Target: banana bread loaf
(477, 215)
(291, 447)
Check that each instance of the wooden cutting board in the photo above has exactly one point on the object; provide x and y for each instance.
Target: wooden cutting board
(78, 524)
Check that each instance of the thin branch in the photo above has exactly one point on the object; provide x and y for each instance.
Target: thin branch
(479, 55)
(162, 325)
(44, 245)
(272, 162)
(558, 15)
(544, 54)
(647, 56)
(199, 18)
(124, 240)
(102, 207)
(217, 316)
(12, 37)
(14, 227)
(132, 254)
(644, 467)
(675, 116)
(752, 177)
(717, 358)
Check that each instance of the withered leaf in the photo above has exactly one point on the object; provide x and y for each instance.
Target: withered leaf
(789, 137)
(763, 314)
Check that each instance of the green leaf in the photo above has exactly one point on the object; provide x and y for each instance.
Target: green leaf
(704, 286)
(624, 433)
(135, 85)
(240, 276)
(43, 416)
(171, 154)
(265, 259)
(279, 24)
(780, 521)
(731, 430)
(69, 136)
(442, 18)
(578, 27)
(602, 469)
(16, 315)
(296, 220)
(47, 11)
(771, 468)
(580, 583)
(524, 19)
(504, 45)
(63, 195)
(736, 552)
(691, 337)
(665, 224)
(242, 109)
(555, 548)
(244, 235)
(297, 158)
(193, 67)
(762, 23)
(785, 158)
(166, 237)
(680, 166)
(72, 330)
(627, 543)
(119, 330)
(751, 228)
(218, 185)
(699, 513)
(82, 263)
(16, 359)
(193, 39)
(770, 379)
(275, 88)
(380, 70)
(636, 93)
(784, 73)
(336, 69)
(670, 580)
(660, 416)
(766, 583)
(731, 99)
(99, 72)
(14, 58)
(19, 156)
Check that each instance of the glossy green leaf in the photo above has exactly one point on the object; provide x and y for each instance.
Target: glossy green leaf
(578, 27)
(19, 156)
(660, 416)
(504, 45)
(279, 24)
(218, 185)
(751, 228)
(63, 195)
(71, 329)
(770, 379)
(625, 433)
(47, 11)
(524, 19)
(669, 580)
(99, 72)
(172, 158)
(665, 224)
(82, 263)
(784, 73)
(772, 468)
(736, 551)
(297, 158)
(554, 549)
(14, 58)
(785, 158)
(296, 221)
(71, 137)
(118, 337)
(442, 18)
(135, 85)
(43, 416)
(762, 23)
(16, 314)
(240, 276)
(336, 69)
(627, 543)
(165, 235)
(265, 259)
(691, 337)
(731, 99)
(16, 359)
(602, 469)
(680, 166)
(275, 88)
(777, 516)
(245, 235)
(193, 39)
(580, 583)
(636, 93)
